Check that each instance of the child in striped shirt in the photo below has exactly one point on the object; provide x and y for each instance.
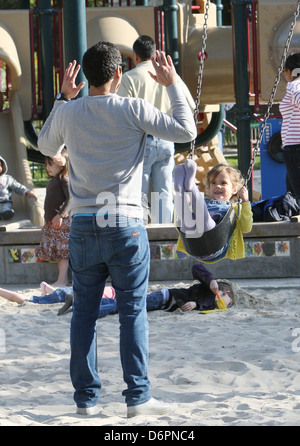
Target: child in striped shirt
(290, 129)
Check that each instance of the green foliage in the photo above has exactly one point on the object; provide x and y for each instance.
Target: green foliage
(39, 174)
(233, 162)
(18, 4)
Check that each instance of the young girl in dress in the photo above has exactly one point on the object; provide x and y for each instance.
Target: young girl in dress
(56, 230)
(224, 185)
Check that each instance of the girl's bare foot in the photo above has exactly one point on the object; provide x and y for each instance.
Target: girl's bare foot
(46, 288)
(59, 284)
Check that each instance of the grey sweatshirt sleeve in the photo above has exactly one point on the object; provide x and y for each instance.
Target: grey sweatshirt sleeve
(180, 127)
(182, 110)
(15, 186)
(50, 139)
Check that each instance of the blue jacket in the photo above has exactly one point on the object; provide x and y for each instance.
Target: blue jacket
(278, 208)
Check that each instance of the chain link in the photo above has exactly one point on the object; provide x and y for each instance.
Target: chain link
(273, 92)
(200, 72)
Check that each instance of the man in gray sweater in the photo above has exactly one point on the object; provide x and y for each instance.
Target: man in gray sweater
(105, 135)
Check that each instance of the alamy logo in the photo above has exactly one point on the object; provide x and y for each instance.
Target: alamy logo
(192, 223)
(296, 342)
(2, 341)
(111, 205)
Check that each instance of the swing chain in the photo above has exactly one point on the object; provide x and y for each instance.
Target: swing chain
(273, 92)
(200, 72)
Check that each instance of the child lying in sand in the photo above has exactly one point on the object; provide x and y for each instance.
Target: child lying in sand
(200, 296)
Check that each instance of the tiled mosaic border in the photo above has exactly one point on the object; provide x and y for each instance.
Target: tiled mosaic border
(279, 248)
(24, 255)
(267, 249)
(167, 251)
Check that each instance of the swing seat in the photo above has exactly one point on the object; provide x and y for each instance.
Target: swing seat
(213, 240)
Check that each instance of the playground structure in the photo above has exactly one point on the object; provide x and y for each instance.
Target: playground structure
(240, 67)
(15, 53)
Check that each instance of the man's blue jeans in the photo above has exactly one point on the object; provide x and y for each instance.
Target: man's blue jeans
(121, 252)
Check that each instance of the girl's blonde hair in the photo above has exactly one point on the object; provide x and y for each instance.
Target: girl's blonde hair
(235, 175)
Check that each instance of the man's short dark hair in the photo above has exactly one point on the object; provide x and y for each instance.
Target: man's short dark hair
(144, 47)
(100, 62)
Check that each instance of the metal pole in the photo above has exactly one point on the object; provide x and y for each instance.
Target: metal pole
(75, 36)
(219, 7)
(170, 9)
(45, 20)
(242, 109)
(29, 127)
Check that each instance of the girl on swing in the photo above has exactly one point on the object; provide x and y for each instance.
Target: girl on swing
(195, 215)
